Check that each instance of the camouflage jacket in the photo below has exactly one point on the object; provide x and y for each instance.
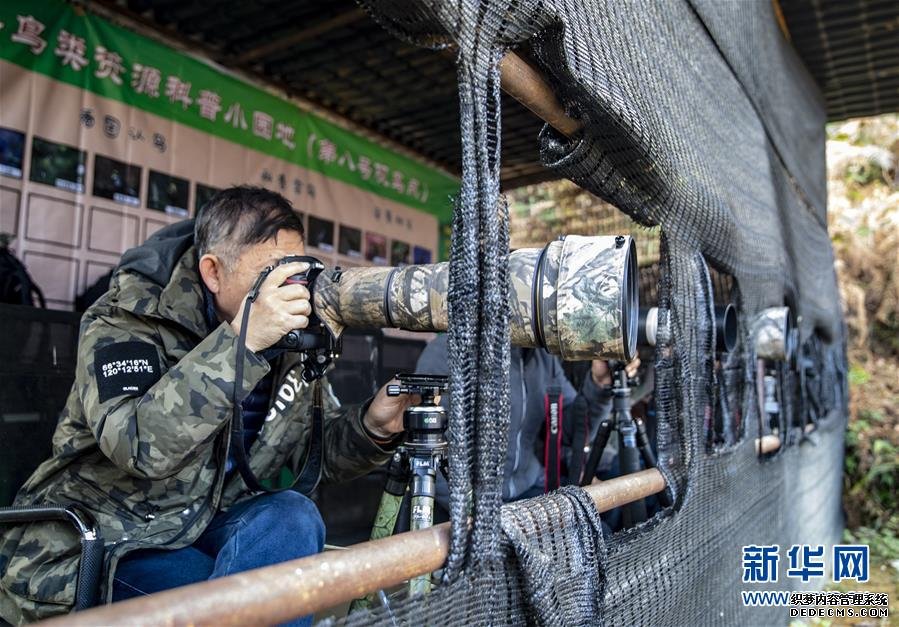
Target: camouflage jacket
(149, 464)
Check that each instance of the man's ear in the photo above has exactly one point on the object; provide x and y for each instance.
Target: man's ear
(211, 271)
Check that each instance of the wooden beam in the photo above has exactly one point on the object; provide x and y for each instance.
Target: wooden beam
(305, 34)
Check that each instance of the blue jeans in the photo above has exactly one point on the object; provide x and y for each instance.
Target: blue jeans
(261, 531)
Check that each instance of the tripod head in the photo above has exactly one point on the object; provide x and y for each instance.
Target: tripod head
(620, 380)
(427, 386)
(426, 422)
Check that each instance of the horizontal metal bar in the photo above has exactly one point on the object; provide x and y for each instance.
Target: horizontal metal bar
(767, 444)
(524, 83)
(279, 593)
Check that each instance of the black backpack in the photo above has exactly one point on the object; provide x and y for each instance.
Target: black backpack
(16, 286)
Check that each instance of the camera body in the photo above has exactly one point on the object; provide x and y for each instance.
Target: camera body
(315, 335)
(316, 345)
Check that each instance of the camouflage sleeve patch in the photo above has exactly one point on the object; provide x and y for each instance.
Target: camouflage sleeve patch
(125, 369)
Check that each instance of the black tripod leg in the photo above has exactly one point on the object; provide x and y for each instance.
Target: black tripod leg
(424, 493)
(401, 524)
(596, 449)
(629, 458)
(649, 459)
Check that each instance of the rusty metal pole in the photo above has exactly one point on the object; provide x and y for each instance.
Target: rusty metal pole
(528, 86)
(285, 591)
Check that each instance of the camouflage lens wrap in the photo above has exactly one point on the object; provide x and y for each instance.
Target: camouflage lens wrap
(772, 334)
(522, 264)
(588, 306)
(352, 298)
(407, 297)
(577, 297)
(417, 297)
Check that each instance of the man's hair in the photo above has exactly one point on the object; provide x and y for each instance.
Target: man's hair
(241, 216)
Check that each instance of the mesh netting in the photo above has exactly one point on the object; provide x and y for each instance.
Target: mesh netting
(697, 118)
(541, 213)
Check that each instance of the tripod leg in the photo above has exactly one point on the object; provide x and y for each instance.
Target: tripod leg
(424, 489)
(401, 522)
(629, 458)
(422, 518)
(388, 512)
(649, 458)
(398, 475)
(596, 449)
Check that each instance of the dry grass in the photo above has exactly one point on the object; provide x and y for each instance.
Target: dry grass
(863, 208)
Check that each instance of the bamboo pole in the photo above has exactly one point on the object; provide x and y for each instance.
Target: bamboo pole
(279, 593)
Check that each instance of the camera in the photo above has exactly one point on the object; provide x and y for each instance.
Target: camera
(653, 327)
(315, 335)
(316, 345)
(576, 297)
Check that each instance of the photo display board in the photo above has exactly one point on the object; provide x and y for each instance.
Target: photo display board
(107, 136)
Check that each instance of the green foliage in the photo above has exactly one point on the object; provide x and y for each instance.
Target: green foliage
(884, 542)
(872, 475)
(861, 173)
(858, 375)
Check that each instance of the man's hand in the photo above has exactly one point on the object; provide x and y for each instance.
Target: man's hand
(277, 309)
(602, 375)
(385, 414)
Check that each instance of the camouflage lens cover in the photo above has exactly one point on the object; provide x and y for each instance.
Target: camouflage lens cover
(522, 264)
(577, 297)
(417, 297)
(596, 298)
(771, 331)
(352, 298)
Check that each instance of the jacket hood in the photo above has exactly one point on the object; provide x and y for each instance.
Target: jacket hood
(160, 279)
(156, 258)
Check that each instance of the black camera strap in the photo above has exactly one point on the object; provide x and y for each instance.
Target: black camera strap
(580, 437)
(307, 479)
(552, 452)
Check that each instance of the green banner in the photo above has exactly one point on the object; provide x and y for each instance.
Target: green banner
(84, 50)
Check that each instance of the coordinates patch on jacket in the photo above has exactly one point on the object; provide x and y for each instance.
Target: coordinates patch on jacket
(125, 369)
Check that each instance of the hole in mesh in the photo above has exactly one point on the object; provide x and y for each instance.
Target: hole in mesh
(727, 426)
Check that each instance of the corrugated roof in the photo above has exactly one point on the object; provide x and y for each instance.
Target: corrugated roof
(851, 48)
(334, 55)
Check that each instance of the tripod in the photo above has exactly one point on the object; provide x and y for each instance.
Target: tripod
(409, 493)
(633, 444)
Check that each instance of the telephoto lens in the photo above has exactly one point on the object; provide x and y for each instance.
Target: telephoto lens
(577, 297)
(653, 327)
(772, 334)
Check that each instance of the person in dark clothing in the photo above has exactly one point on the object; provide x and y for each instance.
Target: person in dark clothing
(531, 373)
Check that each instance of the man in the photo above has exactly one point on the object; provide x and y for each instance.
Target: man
(531, 374)
(143, 442)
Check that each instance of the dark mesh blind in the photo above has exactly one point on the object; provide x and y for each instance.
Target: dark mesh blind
(697, 118)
